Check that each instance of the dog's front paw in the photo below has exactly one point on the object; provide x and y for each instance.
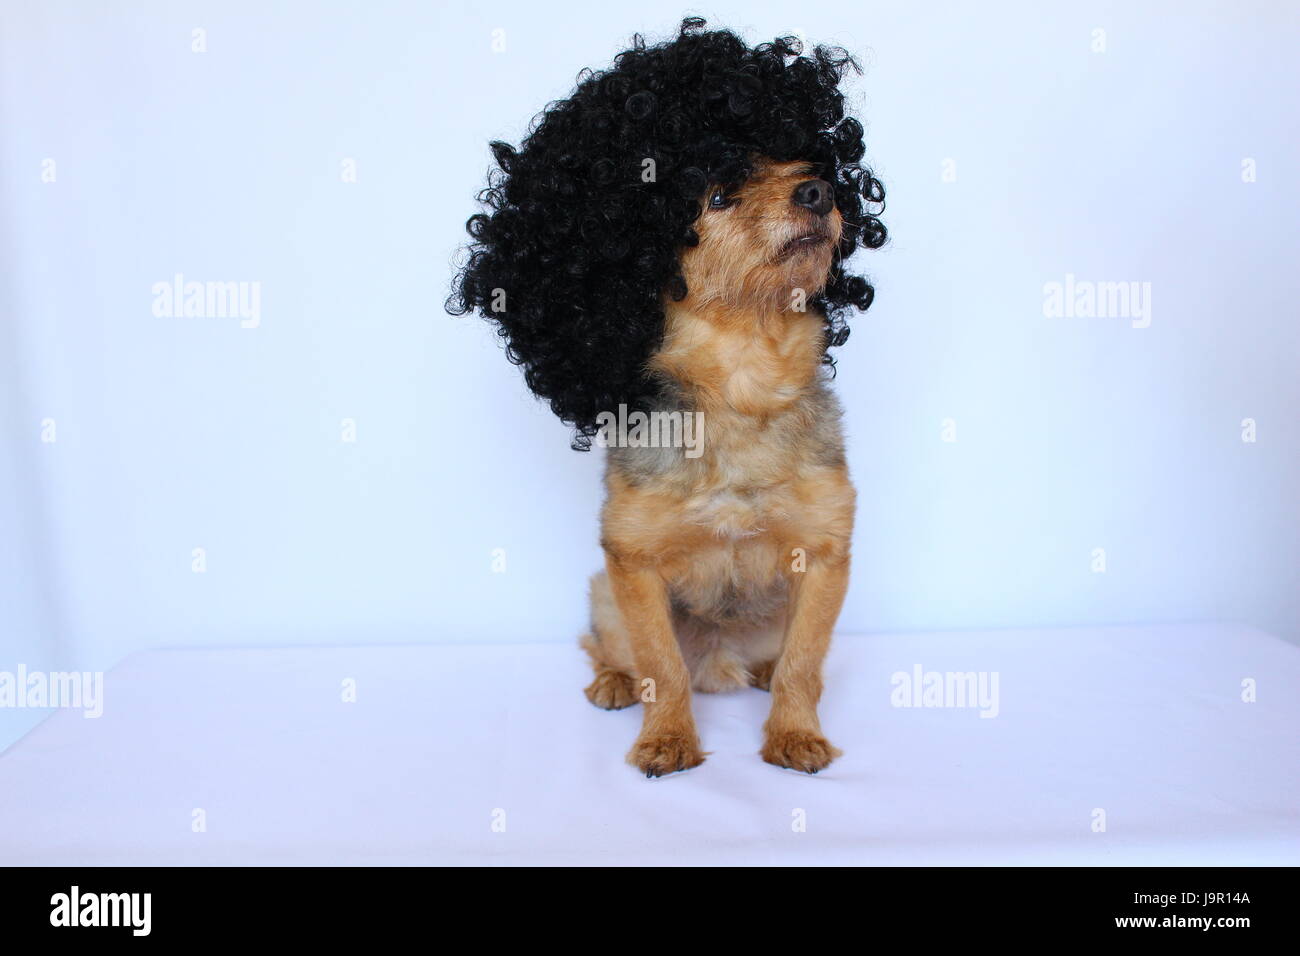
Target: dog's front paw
(799, 750)
(659, 754)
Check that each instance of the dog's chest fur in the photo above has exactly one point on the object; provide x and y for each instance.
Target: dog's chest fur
(723, 527)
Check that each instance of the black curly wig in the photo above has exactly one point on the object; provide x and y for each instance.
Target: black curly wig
(581, 244)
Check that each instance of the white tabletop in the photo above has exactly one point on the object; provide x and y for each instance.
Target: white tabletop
(490, 754)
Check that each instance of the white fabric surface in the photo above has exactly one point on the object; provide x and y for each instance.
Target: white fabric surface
(1146, 723)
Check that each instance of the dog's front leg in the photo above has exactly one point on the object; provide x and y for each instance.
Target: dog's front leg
(668, 741)
(792, 736)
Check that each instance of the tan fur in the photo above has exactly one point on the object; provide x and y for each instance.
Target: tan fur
(729, 569)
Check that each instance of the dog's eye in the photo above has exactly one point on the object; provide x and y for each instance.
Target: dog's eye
(718, 200)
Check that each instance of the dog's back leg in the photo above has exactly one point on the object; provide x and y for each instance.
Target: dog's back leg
(615, 685)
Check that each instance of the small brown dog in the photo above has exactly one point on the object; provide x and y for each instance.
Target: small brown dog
(671, 239)
(729, 569)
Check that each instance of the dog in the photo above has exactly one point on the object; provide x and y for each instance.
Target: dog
(671, 238)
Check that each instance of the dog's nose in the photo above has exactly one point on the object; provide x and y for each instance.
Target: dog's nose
(815, 195)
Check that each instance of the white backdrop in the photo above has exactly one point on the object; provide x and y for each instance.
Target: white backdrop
(1019, 144)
